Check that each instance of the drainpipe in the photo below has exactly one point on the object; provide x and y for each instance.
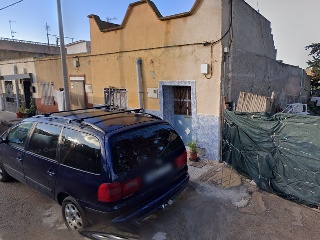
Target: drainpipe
(139, 82)
(301, 81)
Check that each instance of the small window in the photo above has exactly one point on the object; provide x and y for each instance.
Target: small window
(182, 100)
(18, 135)
(80, 150)
(44, 140)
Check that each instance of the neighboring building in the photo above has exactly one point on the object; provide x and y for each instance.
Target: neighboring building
(81, 46)
(15, 49)
(49, 75)
(18, 82)
(17, 78)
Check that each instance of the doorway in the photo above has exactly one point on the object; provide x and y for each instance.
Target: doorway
(77, 93)
(27, 92)
(178, 106)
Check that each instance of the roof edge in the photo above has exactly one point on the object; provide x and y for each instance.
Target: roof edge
(107, 27)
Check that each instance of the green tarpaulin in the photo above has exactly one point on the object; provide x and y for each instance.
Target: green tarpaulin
(281, 153)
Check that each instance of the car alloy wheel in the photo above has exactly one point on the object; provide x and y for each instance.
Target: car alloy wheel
(73, 214)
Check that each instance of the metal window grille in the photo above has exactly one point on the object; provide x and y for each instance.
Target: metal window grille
(116, 98)
(182, 100)
(47, 93)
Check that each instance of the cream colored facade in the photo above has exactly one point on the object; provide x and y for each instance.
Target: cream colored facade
(170, 48)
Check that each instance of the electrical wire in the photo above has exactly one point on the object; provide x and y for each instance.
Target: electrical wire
(11, 5)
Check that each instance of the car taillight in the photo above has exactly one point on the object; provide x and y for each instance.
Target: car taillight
(110, 192)
(130, 187)
(181, 160)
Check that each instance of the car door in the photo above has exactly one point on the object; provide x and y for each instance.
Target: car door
(40, 163)
(13, 151)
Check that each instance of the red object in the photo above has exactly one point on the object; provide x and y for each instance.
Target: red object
(20, 115)
(181, 160)
(193, 156)
(111, 192)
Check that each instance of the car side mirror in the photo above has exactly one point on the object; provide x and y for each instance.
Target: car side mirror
(3, 140)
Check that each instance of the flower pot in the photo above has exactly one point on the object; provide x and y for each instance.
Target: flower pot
(193, 157)
(20, 115)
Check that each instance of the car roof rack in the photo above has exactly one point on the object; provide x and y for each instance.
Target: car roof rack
(112, 113)
(96, 107)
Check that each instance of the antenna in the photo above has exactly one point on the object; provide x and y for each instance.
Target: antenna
(47, 27)
(11, 31)
(109, 19)
(258, 5)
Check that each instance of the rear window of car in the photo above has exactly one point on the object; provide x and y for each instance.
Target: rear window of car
(133, 148)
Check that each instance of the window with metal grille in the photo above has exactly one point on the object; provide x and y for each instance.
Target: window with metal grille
(116, 98)
(47, 93)
(182, 100)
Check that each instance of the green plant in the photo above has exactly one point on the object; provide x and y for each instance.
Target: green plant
(31, 111)
(22, 108)
(193, 146)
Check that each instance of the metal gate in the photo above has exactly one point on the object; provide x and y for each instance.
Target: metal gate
(77, 94)
(116, 98)
(182, 117)
(10, 104)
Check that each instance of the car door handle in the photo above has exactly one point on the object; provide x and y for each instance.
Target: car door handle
(51, 173)
(19, 158)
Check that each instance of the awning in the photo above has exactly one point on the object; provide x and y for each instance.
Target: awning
(15, 76)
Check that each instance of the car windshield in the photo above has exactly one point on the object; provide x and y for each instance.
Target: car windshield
(136, 147)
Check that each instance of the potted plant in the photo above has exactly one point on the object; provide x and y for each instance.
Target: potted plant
(193, 150)
(21, 110)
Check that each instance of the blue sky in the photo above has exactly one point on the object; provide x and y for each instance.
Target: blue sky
(30, 16)
(290, 20)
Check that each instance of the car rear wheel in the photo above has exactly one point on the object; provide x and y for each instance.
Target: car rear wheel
(73, 214)
(4, 176)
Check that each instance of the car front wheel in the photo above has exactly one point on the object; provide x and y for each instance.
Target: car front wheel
(4, 176)
(73, 214)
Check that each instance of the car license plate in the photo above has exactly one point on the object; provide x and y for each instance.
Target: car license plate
(158, 173)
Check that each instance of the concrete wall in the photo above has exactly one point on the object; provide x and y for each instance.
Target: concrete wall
(251, 64)
(78, 47)
(25, 46)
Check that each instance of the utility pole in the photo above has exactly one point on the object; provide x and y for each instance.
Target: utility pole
(63, 59)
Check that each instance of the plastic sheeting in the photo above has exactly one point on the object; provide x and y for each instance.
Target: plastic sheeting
(281, 153)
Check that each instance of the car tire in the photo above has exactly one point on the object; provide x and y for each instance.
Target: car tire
(73, 215)
(4, 176)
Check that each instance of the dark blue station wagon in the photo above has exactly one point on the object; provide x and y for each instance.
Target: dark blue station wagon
(124, 163)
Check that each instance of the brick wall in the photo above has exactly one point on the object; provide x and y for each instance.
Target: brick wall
(46, 108)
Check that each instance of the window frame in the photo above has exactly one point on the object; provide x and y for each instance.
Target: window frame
(88, 133)
(26, 142)
(58, 143)
(183, 100)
